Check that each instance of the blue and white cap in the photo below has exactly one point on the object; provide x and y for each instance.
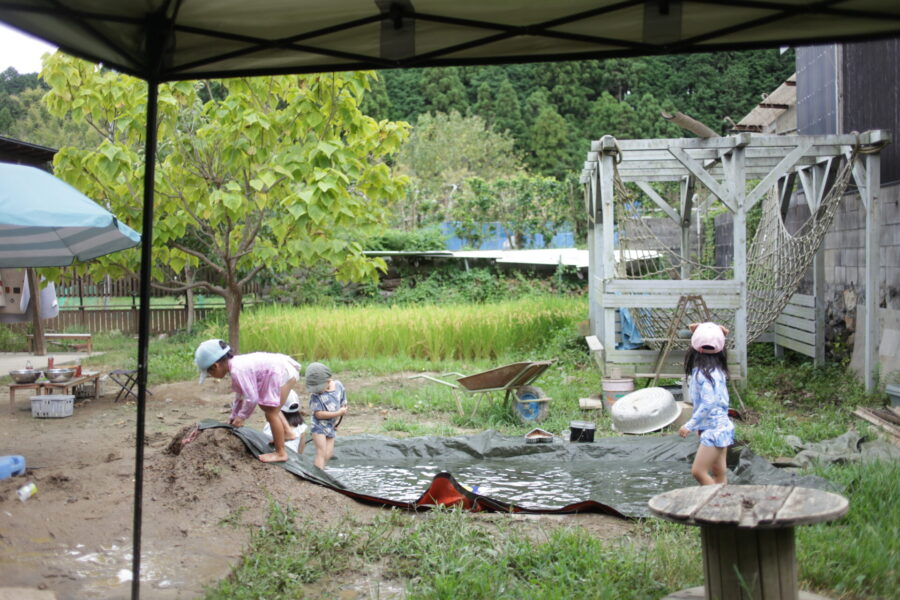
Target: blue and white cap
(208, 353)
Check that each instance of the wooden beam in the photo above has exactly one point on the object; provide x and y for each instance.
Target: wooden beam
(658, 200)
(700, 173)
(892, 430)
(665, 301)
(787, 163)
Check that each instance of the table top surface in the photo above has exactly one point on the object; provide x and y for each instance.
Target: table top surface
(752, 506)
(85, 376)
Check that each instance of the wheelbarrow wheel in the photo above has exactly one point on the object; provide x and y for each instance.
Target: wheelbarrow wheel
(529, 412)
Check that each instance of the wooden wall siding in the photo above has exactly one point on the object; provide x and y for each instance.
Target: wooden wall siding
(100, 320)
(796, 327)
(871, 95)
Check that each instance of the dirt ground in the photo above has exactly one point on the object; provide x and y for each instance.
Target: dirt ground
(74, 537)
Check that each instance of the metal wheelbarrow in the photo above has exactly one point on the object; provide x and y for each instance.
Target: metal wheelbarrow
(514, 380)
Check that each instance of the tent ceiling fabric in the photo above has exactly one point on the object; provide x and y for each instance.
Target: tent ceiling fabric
(222, 38)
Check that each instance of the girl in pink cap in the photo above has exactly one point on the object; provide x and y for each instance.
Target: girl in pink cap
(706, 366)
(261, 378)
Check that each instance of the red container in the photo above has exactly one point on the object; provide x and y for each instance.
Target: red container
(49, 362)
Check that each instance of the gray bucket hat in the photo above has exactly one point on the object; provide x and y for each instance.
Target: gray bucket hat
(317, 376)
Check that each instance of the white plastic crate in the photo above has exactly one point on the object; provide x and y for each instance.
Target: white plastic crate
(52, 405)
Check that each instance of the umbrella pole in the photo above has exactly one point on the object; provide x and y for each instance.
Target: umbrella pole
(144, 329)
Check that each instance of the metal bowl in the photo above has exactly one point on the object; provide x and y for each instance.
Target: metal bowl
(25, 375)
(59, 375)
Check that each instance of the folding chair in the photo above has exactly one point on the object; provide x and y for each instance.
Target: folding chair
(126, 380)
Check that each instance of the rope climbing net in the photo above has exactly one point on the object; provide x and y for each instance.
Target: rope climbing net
(776, 259)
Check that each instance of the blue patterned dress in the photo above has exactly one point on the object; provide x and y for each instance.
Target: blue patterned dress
(329, 402)
(710, 418)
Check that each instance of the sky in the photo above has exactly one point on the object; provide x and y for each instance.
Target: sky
(21, 51)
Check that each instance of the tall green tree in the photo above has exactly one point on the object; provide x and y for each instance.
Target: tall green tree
(523, 206)
(35, 124)
(508, 111)
(443, 151)
(12, 84)
(279, 173)
(549, 144)
(444, 91)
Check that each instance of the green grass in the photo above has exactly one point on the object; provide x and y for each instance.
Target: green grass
(448, 554)
(793, 397)
(417, 429)
(857, 556)
(282, 558)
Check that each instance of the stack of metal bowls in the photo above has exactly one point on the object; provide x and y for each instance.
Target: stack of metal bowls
(59, 375)
(25, 375)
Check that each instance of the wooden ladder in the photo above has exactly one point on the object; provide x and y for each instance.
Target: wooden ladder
(699, 304)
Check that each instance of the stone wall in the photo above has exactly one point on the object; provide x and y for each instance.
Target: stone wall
(845, 262)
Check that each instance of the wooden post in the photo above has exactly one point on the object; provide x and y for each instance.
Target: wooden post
(686, 204)
(736, 182)
(34, 286)
(595, 269)
(873, 265)
(81, 301)
(749, 564)
(608, 155)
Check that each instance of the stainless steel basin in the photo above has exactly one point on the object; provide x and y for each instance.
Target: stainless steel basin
(59, 375)
(25, 375)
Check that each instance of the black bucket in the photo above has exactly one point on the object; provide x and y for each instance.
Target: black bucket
(581, 431)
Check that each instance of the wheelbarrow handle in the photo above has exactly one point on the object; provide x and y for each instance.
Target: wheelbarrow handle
(436, 380)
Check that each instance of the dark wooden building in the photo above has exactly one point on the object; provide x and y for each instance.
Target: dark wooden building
(24, 153)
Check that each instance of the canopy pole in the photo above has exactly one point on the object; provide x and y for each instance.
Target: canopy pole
(144, 330)
(159, 42)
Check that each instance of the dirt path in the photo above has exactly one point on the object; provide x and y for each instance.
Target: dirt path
(74, 537)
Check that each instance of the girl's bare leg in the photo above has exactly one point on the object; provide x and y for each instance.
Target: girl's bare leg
(273, 416)
(706, 460)
(330, 446)
(286, 428)
(320, 441)
(720, 468)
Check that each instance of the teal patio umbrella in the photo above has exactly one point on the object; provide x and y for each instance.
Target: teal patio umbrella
(45, 222)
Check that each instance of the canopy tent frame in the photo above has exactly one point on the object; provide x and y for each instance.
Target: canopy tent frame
(726, 166)
(216, 38)
(150, 39)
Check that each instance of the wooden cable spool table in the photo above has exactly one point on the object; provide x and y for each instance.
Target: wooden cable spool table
(747, 534)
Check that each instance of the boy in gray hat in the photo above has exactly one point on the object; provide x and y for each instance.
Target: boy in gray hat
(327, 405)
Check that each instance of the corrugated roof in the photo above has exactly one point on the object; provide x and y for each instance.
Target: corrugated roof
(569, 257)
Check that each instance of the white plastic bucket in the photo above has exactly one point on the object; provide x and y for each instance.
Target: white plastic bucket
(613, 389)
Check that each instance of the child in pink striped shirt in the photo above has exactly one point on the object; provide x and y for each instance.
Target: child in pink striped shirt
(258, 378)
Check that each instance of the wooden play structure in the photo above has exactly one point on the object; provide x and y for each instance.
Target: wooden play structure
(628, 183)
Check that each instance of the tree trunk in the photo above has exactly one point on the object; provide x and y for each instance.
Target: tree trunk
(34, 286)
(233, 307)
(189, 298)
